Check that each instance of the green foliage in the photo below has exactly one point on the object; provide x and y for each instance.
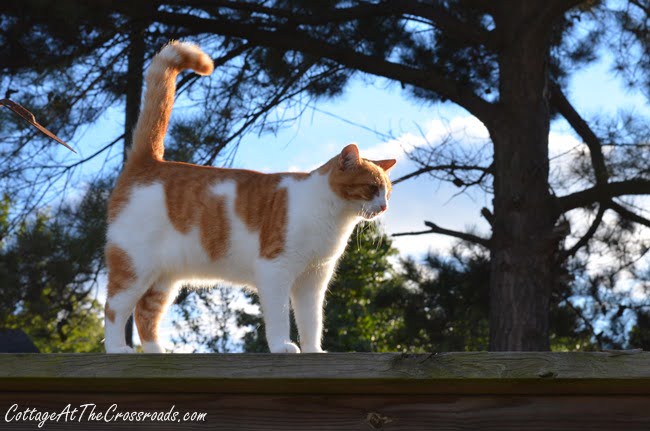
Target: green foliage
(444, 303)
(378, 303)
(640, 333)
(353, 321)
(48, 272)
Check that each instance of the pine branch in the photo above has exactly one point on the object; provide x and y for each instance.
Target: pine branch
(288, 38)
(603, 191)
(434, 13)
(449, 24)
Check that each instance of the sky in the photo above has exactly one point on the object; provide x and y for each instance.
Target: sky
(385, 122)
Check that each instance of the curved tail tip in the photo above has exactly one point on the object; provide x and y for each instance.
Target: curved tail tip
(203, 64)
(185, 55)
(205, 67)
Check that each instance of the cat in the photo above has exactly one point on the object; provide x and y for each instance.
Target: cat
(280, 234)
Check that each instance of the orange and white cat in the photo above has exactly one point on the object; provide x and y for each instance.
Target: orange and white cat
(280, 234)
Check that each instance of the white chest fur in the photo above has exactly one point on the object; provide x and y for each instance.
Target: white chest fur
(319, 223)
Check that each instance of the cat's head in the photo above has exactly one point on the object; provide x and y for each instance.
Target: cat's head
(363, 183)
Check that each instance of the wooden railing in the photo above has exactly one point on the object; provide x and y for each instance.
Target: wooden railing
(537, 391)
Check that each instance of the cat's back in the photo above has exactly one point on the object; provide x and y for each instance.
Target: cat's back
(158, 196)
(179, 183)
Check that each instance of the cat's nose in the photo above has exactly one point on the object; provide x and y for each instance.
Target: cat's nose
(383, 207)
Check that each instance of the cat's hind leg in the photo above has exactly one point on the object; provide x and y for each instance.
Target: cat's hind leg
(124, 290)
(150, 310)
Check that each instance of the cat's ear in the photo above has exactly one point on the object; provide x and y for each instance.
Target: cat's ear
(386, 165)
(349, 157)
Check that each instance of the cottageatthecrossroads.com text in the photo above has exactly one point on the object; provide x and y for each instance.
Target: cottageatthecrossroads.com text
(92, 413)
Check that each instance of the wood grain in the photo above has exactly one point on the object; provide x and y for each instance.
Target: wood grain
(345, 373)
(356, 391)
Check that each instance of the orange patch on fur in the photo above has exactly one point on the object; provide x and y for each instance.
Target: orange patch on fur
(149, 312)
(263, 207)
(190, 202)
(109, 313)
(274, 226)
(120, 270)
(253, 197)
(213, 222)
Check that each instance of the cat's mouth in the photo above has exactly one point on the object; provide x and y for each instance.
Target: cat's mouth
(371, 213)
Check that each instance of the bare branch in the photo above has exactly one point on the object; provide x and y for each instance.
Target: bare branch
(451, 167)
(434, 228)
(587, 236)
(583, 130)
(414, 233)
(282, 95)
(188, 80)
(603, 193)
(629, 215)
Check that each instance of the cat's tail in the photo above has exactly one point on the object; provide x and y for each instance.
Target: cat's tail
(152, 123)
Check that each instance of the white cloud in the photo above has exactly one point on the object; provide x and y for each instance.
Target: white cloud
(423, 198)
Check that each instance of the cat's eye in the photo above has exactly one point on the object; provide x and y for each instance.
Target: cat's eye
(374, 190)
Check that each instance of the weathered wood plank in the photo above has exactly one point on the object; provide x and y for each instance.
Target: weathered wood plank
(345, 373)
(348, 412)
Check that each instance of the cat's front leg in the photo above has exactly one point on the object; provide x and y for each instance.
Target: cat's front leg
(273, 286)
(307, 297)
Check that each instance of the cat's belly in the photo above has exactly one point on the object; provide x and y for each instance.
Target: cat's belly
(186, 258)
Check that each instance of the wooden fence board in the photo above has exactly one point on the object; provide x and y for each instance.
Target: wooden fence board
(355, 391)
(352, 412)
(569, 373)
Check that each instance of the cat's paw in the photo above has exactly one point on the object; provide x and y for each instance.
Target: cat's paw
(152, 347)
(120, 349)
(284, 348)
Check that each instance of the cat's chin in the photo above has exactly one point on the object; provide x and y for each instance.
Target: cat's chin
(370, 217)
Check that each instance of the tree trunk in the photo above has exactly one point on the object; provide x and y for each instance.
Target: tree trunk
(522, 246)
(134, 82)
